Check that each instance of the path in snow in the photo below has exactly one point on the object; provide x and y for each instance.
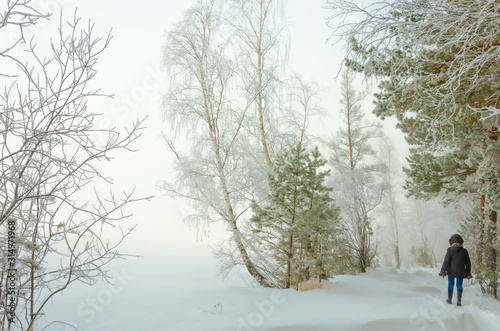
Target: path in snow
(383, 299)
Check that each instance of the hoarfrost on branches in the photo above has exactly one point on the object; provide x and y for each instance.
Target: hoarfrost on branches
(49, 162)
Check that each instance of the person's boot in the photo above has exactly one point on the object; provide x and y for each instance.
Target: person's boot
(449, 298)
(459, 299)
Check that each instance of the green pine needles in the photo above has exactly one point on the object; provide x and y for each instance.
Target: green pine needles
(299, 223)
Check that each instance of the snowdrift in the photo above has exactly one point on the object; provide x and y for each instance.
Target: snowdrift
(383, 299)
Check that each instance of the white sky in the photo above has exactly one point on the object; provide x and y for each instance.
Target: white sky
(130, 70)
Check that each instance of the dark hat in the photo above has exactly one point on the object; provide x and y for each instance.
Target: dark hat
(456, 239)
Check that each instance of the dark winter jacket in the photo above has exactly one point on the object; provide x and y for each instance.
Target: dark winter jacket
(456, 262)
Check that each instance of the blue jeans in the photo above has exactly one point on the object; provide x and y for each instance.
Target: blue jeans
(451, 283)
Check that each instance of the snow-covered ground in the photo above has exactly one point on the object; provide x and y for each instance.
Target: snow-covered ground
(383, 299)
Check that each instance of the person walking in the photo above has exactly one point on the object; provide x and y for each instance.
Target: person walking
(456, 266)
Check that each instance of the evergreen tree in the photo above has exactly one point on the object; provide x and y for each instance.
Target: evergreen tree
(438, 65)
(299, 222)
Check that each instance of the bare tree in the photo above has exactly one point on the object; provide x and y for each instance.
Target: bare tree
(390, 197)
(356, 189)
(198, 104)
(302, 106)
(49, 167)
(262, 52)
(222, 103)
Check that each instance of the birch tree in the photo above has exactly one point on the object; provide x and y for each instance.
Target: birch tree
(302, 105)
(260, 29)
(390, 200)
(51, 197)
(437, 63)
(199, 105)
(358, 190)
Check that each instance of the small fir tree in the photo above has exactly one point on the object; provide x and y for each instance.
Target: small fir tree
(299, 222)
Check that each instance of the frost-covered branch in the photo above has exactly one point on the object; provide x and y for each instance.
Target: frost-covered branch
(50, 149)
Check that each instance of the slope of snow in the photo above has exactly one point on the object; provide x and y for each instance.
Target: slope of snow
(383, 299)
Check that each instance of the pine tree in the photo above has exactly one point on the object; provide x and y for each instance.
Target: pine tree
(299, 222)
(438, 65)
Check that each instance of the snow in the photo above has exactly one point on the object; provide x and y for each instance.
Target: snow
(382, 299)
